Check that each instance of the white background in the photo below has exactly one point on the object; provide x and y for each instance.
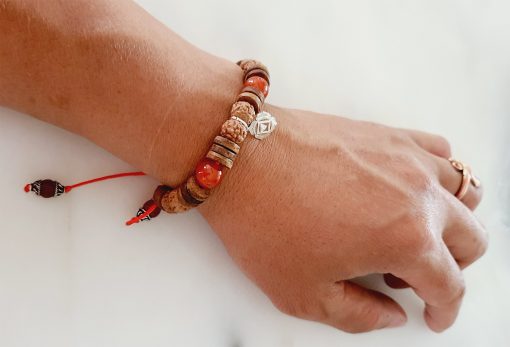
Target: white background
(72, 275)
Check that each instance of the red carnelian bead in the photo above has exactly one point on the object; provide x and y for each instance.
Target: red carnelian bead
(208, 173)
(258, 83)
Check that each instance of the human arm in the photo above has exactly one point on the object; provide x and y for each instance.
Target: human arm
(386, 200)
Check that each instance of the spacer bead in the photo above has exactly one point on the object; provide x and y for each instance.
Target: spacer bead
(258, 73)
(220, 159)
(228, 144)
(252, 99)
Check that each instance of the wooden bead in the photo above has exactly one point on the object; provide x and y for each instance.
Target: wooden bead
(154, 213)
(223, 151)
(195, 190)
(228, 144)
(220, 159)
(255, 91)
(257, 73)
(243, 110)
(252, 99)
(173, 202)
(159, 192)
(234, 130)
(250, 64)
(187, 196)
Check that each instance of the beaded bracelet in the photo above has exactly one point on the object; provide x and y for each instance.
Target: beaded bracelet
(246, 116)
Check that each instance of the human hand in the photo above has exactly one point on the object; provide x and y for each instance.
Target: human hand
(326, 199)
(321, 201)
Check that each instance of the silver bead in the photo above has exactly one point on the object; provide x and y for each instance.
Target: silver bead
(263, 125)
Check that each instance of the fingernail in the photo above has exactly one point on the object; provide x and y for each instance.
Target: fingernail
(397, 321)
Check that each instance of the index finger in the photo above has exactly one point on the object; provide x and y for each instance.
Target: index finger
(437, 279)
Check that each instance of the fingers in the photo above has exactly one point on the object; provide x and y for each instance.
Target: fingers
(437, 279)
(353, 308)
(464, 235)
(451, 180)
(449, 177)
(434, 144)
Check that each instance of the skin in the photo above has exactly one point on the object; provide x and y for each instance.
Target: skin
(322, 200)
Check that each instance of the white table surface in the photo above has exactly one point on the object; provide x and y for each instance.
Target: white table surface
(71, 274)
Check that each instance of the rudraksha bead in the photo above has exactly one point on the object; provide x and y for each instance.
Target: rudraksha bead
(234, 130)
(243, 110)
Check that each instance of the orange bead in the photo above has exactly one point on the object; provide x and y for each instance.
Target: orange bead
(208, 173)
(258, 83)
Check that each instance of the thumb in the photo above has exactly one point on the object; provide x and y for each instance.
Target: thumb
(353, 308)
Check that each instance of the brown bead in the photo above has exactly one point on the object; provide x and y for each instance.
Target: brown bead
(154, 213)
(159, 192)
(234, 130)
(173, 202)
(255, 91)
(220, 159)
(252, 99)
(47, 188)
(250, 64)
(243, 110)
(258, 73)
(187, 196)
(195, 190)
(223, 151)
(228, 144)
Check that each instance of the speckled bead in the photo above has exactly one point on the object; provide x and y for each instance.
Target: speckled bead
(195, 190)
(228, 144)
(228, 163)
(173, 202)
(243, 110)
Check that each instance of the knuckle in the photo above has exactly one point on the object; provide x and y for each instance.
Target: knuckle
(422, 181)
(458, 293)
(482, 246)
(442, 146)
(455, 292)
(400, 138)
(422, 241)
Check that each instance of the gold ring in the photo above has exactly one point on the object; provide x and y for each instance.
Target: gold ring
(467, 178)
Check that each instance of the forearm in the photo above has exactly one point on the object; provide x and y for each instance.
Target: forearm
(110, 72)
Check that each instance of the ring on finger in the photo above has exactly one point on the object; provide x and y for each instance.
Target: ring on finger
(467, 178)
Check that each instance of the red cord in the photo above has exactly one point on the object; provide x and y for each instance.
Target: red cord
(69, 188)
(142, 216)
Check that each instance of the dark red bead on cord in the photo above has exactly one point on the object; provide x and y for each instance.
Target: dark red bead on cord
(46, 188)
(148, 211)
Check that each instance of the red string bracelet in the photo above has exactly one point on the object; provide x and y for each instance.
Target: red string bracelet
(246, 116)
